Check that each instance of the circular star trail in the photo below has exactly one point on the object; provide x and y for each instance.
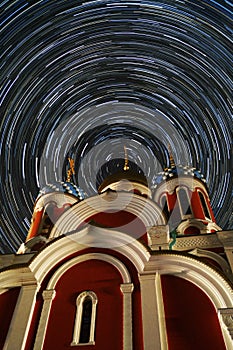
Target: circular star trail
(86, 79)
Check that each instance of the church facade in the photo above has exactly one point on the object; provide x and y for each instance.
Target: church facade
(134, 267)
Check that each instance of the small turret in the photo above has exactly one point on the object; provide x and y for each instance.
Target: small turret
(182, 193)
(53, 200)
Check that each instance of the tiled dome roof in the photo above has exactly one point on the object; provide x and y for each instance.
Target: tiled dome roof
(176, 171)
(65, 187)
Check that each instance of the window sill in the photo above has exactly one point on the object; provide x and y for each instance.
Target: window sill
(82, 344)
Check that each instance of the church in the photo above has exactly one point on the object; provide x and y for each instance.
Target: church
(134, 267)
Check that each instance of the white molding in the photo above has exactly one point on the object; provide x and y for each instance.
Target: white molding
(216, 257)
(143, 208)
(226, 320)
(48, 296)
(203, 276)
(198, 223)
(65, 246)
(87, 257)
(127, 185)
(57, 197)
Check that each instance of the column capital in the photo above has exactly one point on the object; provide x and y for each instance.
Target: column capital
(49, 294)
(127, 287)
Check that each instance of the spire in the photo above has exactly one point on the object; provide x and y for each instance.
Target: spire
(126, 166)
(71, 170)
(171, 159)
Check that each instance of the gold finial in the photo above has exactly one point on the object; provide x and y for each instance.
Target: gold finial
(171, 159)
(71, 170)
(126, 166)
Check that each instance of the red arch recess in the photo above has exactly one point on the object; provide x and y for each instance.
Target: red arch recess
(191, 320)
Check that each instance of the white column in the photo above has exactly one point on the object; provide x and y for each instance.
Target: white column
(153, 318)
(127, 289)
(21, 320)
(48, 296)
(226, 320)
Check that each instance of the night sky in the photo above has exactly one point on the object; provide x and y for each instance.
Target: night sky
(84, 79)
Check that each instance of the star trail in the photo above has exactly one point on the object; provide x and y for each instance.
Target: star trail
(84, 79)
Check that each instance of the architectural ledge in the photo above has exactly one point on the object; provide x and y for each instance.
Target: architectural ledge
(198, 241)
(226, 238)
(14, 260)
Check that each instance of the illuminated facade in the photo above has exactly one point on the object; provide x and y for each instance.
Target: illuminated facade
(134, 267)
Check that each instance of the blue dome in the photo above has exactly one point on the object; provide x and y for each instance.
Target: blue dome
(65, 187)
(176, 171)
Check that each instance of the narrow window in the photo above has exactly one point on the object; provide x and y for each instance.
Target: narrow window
(86, 321)
(204, 205)
(84, 327)
(184, 202)
(164, 205)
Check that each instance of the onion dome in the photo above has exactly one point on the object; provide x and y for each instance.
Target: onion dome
(122, 175)
(64, 187)
(67, 187)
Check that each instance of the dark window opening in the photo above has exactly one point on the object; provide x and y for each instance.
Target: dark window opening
(184, 202)
(86, 321)
(204, 206)
(165, 206)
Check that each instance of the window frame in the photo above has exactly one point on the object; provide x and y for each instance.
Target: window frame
(78, 318)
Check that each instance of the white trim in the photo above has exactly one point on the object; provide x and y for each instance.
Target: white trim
(48, 296)
(86, 257)
(216, 257)
(127, 289)
(143, 208)
(65, 246)
(203, 276)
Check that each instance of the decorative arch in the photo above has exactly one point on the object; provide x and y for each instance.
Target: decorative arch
(126, 288)
(214, 285)
(52, 254)
(79, 259)
(143, 208)
(205, 277)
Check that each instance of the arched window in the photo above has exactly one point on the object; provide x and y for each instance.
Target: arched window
(184, 202)
(84, 327)
(204, 205)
